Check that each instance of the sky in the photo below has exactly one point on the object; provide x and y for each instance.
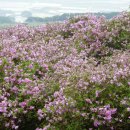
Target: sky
(66, 6)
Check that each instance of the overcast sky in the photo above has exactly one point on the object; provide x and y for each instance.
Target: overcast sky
(67, 5)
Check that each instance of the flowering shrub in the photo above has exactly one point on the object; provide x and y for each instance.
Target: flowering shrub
(71, 76)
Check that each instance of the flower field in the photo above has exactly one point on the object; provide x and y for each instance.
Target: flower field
(73, 75)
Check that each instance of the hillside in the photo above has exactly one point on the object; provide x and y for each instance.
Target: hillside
(66, 16)
(26, 17)
(73, 75)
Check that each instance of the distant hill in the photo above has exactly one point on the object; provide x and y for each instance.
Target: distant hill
(58, 18)
(7, 20)
(65, 16)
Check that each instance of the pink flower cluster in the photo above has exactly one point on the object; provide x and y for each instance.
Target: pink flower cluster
(59, 75)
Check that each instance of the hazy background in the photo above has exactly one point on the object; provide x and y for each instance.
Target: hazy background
(20, 10)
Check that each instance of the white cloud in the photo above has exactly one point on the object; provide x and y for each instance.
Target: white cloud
(61, 6)
(40, 5)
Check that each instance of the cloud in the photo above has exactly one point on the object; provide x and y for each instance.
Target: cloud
(62, 6)
(41, 5)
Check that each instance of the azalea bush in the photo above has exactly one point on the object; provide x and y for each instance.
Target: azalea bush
(73, 75)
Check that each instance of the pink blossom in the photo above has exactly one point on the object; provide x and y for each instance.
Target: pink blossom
(96, 123)
(23, 104)
(88, 101)
(26, 80)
